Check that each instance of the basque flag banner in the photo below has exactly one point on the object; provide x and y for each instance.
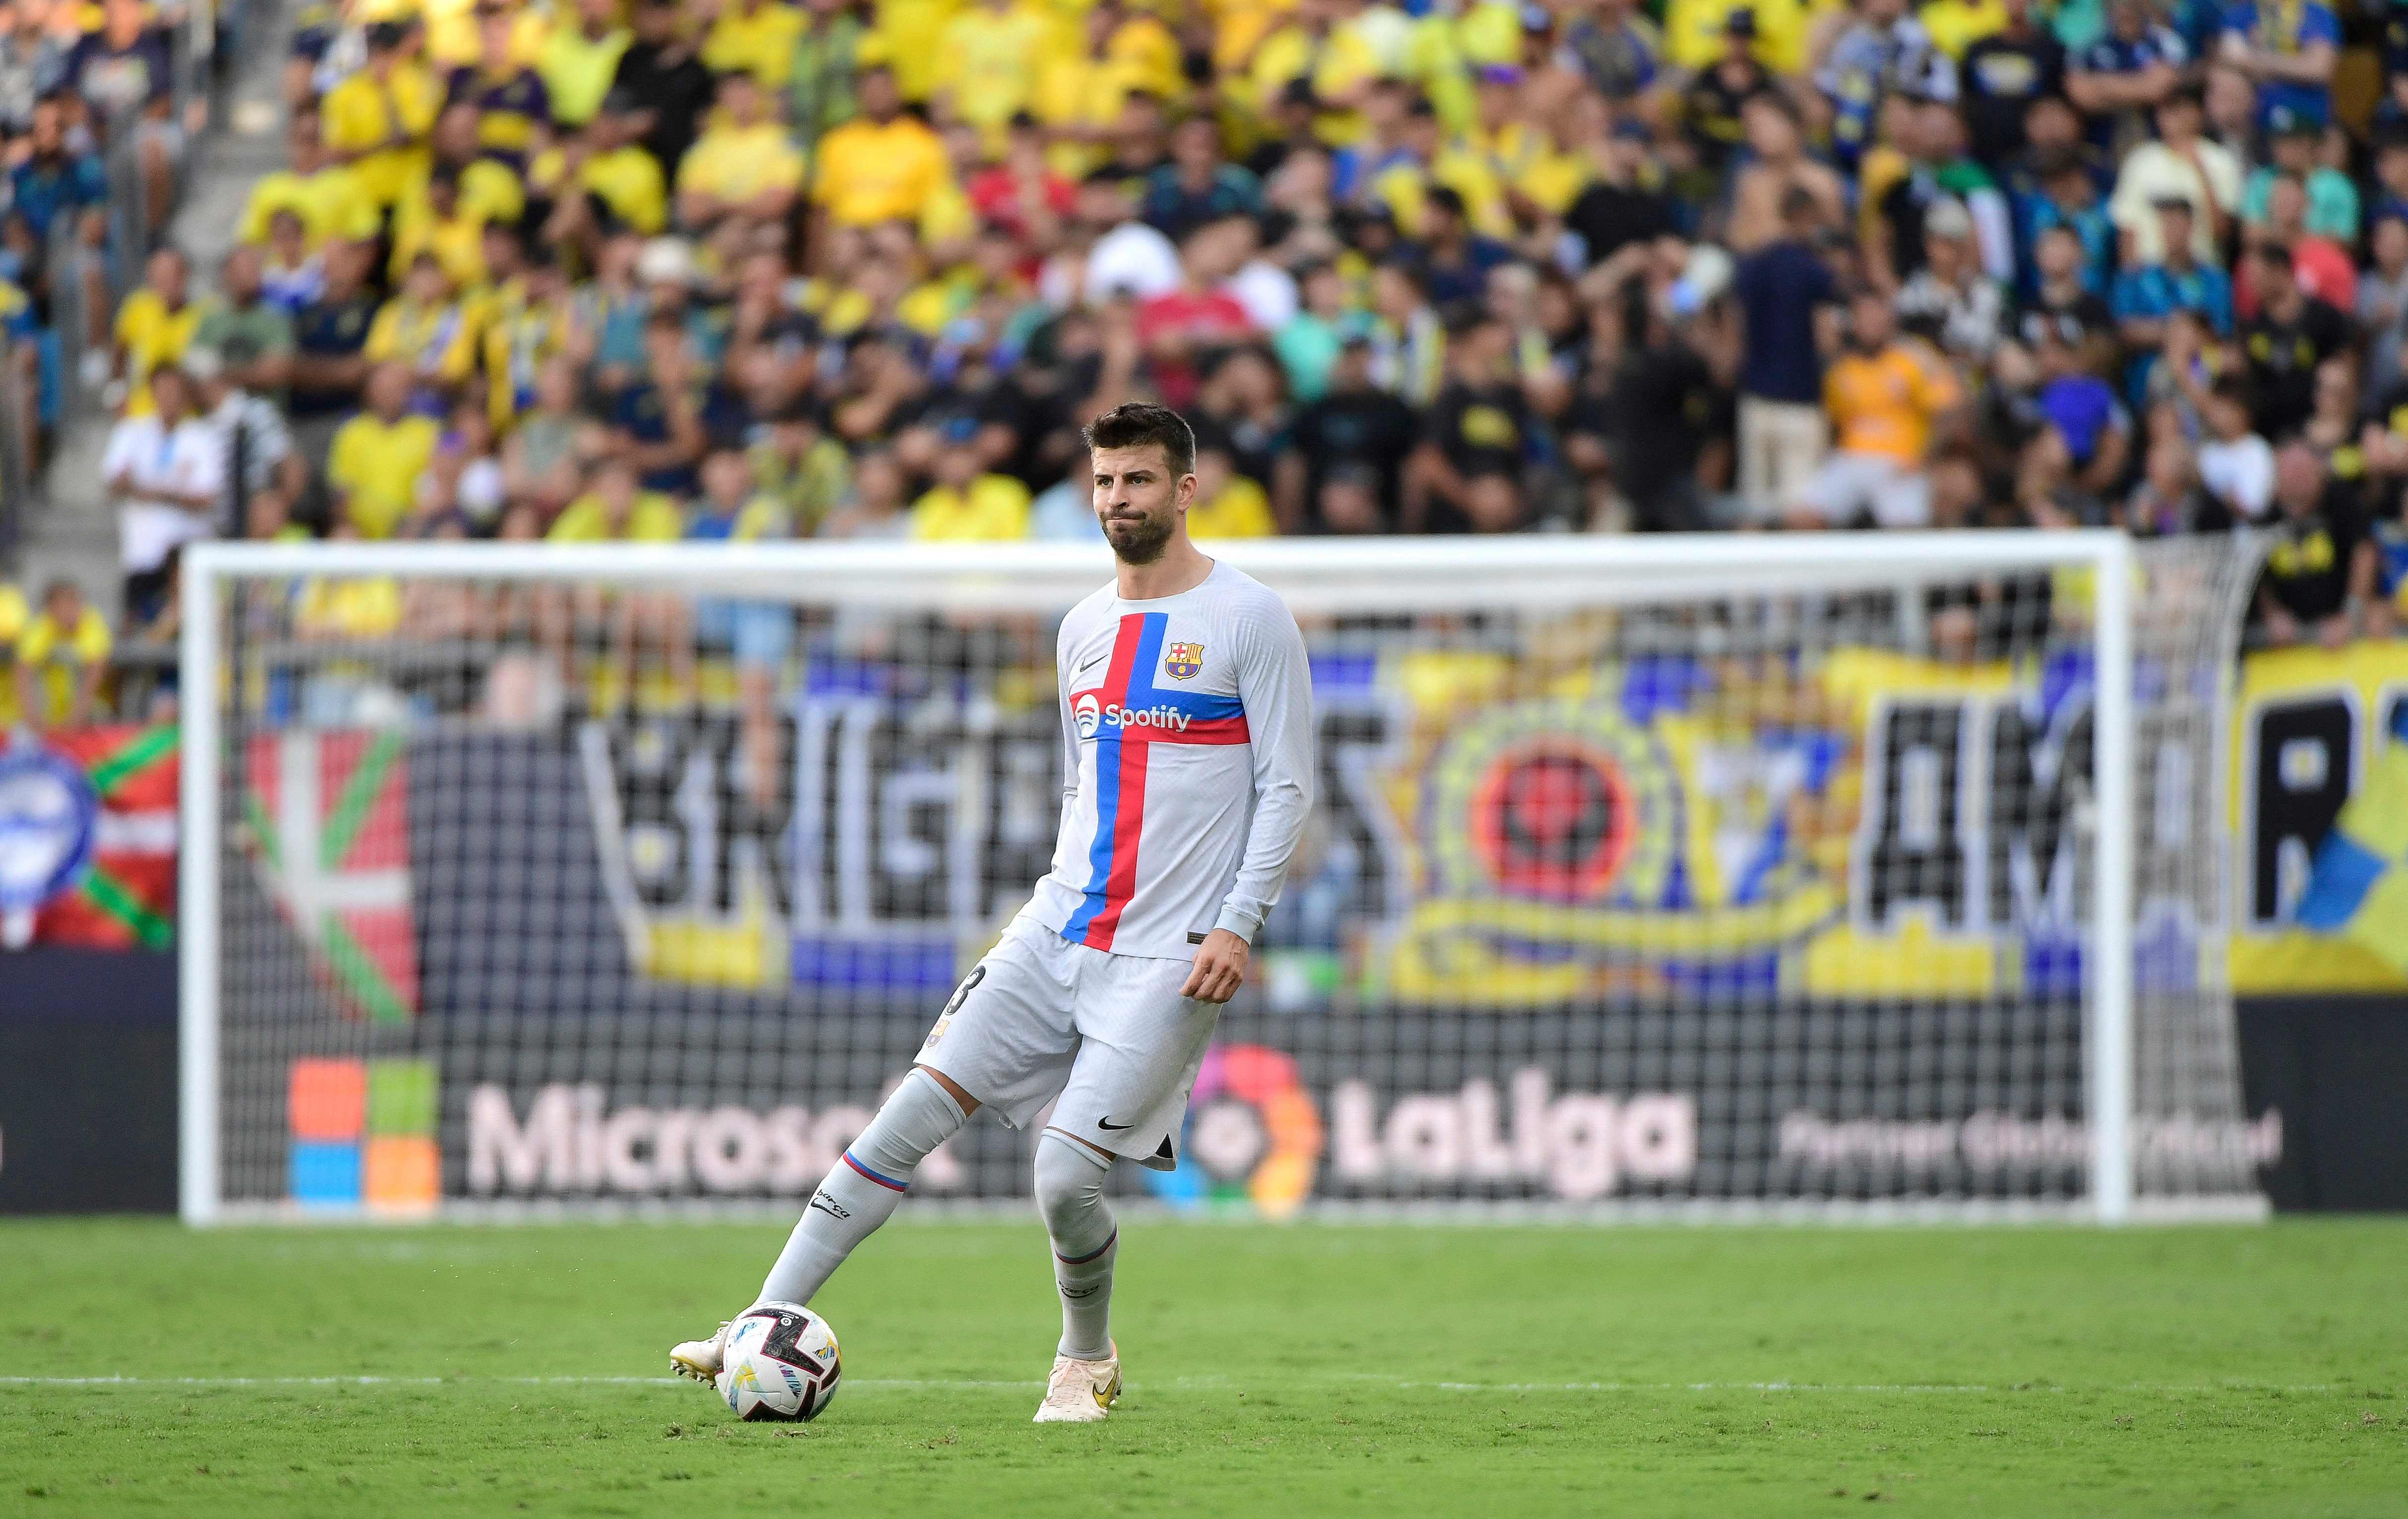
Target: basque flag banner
(328, 816)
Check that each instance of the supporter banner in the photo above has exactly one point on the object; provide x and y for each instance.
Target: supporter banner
(1491, 831)
(1515, 833)
(2320, 813)
(327, 824)
(88, 838)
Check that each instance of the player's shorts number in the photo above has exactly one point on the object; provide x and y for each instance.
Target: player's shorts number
(945, 1019)
(977, 974)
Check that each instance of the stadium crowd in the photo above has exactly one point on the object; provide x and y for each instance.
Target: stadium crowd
(594, 271)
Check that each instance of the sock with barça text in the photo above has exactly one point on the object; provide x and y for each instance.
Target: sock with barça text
(1070, 1194)
(864, 1186)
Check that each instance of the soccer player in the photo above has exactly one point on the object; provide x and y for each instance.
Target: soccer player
(1188, 737)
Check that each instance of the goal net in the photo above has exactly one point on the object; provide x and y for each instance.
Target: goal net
(1829, 875)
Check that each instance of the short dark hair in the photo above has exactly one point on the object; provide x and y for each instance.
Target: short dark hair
(1136, 423)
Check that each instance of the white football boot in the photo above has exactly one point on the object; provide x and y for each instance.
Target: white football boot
(1081, 1392)
(700, 1358)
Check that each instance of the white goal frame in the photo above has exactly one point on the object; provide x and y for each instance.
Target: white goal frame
(1315, 575)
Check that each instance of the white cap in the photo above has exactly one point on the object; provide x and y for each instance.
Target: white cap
(666, 261)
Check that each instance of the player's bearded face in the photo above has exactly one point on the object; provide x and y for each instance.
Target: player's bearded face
(1138, 501)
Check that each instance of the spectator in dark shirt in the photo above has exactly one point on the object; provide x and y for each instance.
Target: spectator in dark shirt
(1467, 475)
(1624, 206)
(1345, 453)
(2292, 333)
(1457, 266)
(1195, 186)
(660, 70)
(2320, 573)
(1663, 409)
(51, 179)
(2128, 73)
(1783, 290)
(1714, 108)
(126, 77)
(2004, 74)
(329, 336)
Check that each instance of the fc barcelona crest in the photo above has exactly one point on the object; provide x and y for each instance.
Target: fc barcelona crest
(1181, 660)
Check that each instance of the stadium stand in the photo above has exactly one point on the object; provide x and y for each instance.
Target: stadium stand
(758, 269)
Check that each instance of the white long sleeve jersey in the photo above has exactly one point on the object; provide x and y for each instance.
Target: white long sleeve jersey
(1187, 732)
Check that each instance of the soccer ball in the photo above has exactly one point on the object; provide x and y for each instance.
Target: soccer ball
(781, 1363)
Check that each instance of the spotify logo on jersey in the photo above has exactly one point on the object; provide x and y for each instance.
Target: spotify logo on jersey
(1093, 716)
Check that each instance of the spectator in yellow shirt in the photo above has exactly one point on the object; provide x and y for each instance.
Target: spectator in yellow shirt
(378, 456)
(435, 224)
(378, 120)
(621, 184)
(906, 33)
(755, 36)
(966, 505)
(155, 325)
(1078, 93)
(1694, 30)
(882, 166)
(742, 165)
(1339, 62)
(615, 509)
(347, 607)
(15, 613)
(578, 63)
(988, 58)
(1227, 505)
(62, 655)
(426, 329)
(1955, 25)
(492, 188)
(1887, 401)
(324, 195)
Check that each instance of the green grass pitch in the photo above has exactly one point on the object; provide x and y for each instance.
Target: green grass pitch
(1284, 1371)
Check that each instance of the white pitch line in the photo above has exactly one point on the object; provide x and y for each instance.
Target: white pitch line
(446, 1381)
(1366, 1380)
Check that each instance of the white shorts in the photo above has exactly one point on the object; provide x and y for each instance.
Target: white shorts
(1109, 1035)
(1847, 483)
(1780, 443)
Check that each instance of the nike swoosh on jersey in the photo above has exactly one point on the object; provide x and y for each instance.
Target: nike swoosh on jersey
(1093, 663)
(1107, 1123)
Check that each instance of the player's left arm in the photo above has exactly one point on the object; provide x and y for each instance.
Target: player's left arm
(1275, 684)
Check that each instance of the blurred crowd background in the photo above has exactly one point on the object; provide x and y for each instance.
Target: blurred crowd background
(739, 269)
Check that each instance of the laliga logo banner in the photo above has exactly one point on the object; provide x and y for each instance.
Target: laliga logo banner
(1252, 1134)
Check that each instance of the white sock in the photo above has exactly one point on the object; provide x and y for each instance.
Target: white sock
(863, 1187)
(1070, 1194)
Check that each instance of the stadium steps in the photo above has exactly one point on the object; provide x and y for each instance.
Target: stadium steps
(73, 533)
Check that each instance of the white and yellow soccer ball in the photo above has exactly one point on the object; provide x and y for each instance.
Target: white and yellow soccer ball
(781, 1363)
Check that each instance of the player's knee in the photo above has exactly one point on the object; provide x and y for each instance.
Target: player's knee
(1070, 1186)
(918, 1117)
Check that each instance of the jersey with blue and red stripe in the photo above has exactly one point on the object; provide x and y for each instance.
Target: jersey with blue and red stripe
(1187, 737)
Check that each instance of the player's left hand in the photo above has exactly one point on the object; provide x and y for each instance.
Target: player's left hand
(1220, 967)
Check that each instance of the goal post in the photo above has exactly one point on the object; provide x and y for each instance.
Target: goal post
(1846, 876)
